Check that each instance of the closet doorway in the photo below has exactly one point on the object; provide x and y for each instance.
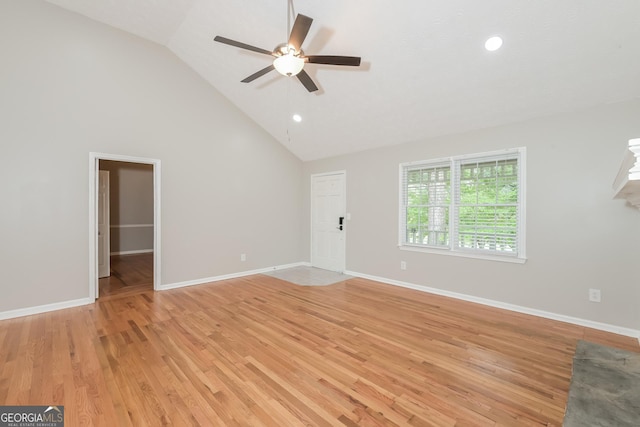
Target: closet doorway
(124, 220)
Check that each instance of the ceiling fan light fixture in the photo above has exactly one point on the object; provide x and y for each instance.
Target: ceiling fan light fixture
(289, 64)
(289, 57)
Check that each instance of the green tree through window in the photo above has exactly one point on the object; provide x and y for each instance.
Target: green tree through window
(467, 203)
(427, 209)
(487, 206)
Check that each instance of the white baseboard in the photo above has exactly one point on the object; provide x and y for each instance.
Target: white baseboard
(140, 251)
(506, 306)
(229, 276)
(44, 308)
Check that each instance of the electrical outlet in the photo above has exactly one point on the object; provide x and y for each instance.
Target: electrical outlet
(403, 265)
(243, 257)
(594, 295)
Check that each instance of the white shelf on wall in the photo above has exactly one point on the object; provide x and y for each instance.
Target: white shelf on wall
(627, 182)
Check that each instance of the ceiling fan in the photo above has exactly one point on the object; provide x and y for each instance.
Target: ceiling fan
(290, 58)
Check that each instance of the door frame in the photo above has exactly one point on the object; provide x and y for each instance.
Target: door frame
(104, 207)
(94, 167)
(344, 203)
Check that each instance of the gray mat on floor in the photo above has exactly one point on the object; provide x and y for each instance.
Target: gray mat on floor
(309, 276)
(605, 387)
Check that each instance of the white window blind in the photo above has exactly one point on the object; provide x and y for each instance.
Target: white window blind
(427, 199)
(486, 204)
(465, 204)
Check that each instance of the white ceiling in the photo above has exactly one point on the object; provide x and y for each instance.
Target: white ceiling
(425, 71)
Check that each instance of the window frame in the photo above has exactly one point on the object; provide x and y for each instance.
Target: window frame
(454, 163)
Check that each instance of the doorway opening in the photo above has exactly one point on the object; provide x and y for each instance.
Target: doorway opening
(124, 234)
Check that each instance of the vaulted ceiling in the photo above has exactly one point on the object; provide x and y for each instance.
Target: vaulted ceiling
(425, 71)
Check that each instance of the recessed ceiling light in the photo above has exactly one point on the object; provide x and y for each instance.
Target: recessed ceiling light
(297, 118)
(493, 43)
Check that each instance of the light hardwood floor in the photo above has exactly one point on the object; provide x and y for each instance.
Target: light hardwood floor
(260, 351)
(130, 274)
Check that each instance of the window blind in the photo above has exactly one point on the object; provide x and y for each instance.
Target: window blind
(486, 204)
(472, 203)
(427, 200)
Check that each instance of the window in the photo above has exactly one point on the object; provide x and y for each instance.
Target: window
(466, 205)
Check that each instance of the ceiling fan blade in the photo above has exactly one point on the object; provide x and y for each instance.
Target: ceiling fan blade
(260, 73)
(353, 61)
(230, 42)
(299, 31)
(306, 81)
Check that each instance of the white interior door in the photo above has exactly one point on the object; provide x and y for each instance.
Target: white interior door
(328, 204)
(104, 255)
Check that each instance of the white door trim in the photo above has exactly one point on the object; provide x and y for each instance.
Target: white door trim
(104, 258)
(94, 165)
(344, 195)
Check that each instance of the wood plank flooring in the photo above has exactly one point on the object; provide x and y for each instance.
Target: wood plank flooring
(130, 274)
(258, 351)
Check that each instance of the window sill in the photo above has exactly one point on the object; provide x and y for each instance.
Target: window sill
(449, 252)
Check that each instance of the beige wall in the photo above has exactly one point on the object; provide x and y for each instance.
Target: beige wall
(131, 206)
(70, 86)
(577, 236)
